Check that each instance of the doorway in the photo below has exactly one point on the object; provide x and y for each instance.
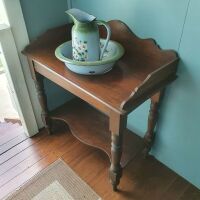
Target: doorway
(11, 45)
(8, 111)
(12, 132)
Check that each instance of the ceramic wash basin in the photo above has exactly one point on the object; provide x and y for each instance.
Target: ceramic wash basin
(114, 52)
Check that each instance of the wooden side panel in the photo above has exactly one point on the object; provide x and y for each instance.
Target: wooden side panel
(152, 84)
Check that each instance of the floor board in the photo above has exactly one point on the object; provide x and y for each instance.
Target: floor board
(143, 179)
(18, 148)
(11, 143)
(10, 133)
(176, 189)
(29, 151)
(190, 193)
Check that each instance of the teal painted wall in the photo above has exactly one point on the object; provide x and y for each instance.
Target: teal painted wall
(39, 16)
(178, 134)
(185, 131)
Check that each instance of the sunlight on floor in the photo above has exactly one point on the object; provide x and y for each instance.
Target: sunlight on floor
(7, 109)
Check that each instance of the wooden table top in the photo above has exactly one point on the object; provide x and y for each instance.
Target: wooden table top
(142, 58)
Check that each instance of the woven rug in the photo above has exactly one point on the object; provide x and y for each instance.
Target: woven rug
(56, 182)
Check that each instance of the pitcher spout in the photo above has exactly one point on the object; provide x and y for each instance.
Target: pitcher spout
(79, 16)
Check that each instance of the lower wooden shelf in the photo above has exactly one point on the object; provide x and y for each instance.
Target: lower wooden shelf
(92, 128)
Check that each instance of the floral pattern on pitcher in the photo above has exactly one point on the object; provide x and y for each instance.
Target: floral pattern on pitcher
(80, 51)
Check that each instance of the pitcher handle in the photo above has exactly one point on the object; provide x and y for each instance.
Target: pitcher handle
(100, 22)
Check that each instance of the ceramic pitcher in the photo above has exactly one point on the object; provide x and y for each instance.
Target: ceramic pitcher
(85, 36)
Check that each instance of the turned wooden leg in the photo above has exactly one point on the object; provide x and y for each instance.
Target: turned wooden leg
(117, 125)
(39, 83)
(115, 168)
(152, 121)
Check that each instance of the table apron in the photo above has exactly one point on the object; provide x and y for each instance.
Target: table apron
(76, 90)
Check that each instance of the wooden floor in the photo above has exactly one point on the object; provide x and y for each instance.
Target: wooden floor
(143, 179)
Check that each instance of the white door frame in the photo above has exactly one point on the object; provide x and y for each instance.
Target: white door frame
(18, 28)
(13, 39)
(16, 81)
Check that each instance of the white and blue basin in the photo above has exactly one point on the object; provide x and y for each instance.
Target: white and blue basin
(114, 52)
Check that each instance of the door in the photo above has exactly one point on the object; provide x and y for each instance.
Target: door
(15, 75)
